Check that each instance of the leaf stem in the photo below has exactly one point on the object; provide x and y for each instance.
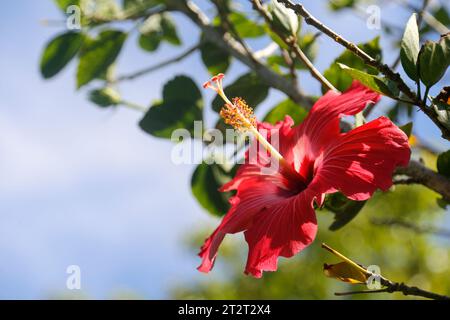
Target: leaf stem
(419, 93)
(159, 65)
(133, 106)
(427, 90)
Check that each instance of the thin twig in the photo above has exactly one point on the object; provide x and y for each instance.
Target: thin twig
(422, 11)
(360, 292)
(392, 222)
(133, 106)
(158, 66)
(291, 63)
(390, 286)
(292, 43)
(229, 27)
(368, 60)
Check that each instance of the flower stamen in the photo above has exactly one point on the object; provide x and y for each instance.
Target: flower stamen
(239, 115)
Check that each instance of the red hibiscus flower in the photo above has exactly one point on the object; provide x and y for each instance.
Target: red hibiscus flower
(276, 210)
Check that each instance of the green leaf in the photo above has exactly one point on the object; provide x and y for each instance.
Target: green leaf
(407, 128)
(169, 30)
(157, 28)
(248, 87)
(275, 38)
(284, 20)
(151, 33)
(286, 107)
(105, 97)
(342, 80)
(182, 88)
(132, 6)
(443, 163)
(245, 27)
(98, 54)
(165, 117)
(443, 113)
(337, 5)
(64, 4)
(434, 59)
(150, 41)
(205, 182)
(307, 42)
(442, 203)
(222, 127)
(182, 105)
(214, 58)
(343, 208)
(410, 46)
(377, 84)
(345, 272)
(59, 52)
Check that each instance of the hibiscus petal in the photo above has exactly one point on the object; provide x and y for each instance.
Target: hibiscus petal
(362, 160)
(283, 229)
(256, 157)
(252, 197)
(257, 189)
(322, 125)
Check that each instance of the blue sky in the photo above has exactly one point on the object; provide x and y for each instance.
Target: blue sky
(84, 186)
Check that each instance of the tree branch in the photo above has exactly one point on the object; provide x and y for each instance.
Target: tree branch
(383, 68)
(228, 43)
(411, 226)
(427, 177)
(134, 14)
(229, 27)
(390, 286)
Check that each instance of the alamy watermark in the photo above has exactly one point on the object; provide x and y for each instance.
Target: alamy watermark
(373, 21)
(73, 281)
(374, 281)
(215, 146)
(73, 20)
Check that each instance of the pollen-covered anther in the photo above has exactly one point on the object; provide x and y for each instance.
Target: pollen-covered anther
(238, 115)
(215, 83)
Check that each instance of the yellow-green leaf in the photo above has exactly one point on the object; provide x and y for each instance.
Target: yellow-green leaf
(345, 272)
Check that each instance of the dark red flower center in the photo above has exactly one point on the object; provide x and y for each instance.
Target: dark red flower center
(298, 181)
